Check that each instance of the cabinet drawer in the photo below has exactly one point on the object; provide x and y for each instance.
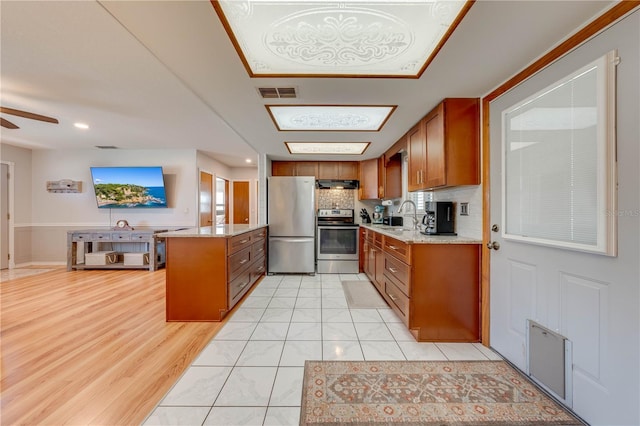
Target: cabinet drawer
(398, 272)
(258, 269)
(258, 249)
(400, 302)
(368, 235)
(238, 287)
(141, 236)
(237, 262)
(398, 248)
(121, 236)
(377, 239)
(259, 235)
(238, 242)
(82, 237)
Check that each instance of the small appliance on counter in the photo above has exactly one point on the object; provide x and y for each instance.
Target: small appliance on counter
(392, 220)
(378, 214)
(439, 218)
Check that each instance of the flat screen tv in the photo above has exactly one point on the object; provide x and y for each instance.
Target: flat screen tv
(128, 187)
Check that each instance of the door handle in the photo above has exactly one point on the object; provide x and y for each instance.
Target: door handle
(493, 245)
(495, 227)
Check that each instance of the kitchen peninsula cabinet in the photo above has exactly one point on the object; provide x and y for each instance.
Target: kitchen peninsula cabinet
(431, 282)
(210, 269)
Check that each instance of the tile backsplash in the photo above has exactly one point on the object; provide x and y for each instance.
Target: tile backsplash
(335, 198)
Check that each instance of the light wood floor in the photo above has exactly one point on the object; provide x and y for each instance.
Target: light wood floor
(90, 347)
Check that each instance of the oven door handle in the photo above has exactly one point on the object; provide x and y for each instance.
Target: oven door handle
(338, 227)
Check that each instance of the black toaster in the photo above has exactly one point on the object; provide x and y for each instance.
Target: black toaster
(392, 220)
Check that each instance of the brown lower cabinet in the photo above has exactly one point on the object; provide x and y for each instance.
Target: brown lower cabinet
(207, 276)
(434, 288)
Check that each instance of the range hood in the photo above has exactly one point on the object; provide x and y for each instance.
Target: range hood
(336, 184)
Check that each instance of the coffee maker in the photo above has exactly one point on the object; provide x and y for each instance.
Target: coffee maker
(378, 214)
(439, 218)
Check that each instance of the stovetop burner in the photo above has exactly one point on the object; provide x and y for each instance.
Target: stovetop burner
(335, 217)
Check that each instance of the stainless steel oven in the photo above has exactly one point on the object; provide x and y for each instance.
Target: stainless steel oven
(337, 242)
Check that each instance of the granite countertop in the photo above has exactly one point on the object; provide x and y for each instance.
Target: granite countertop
(218, 231)
(415, 237)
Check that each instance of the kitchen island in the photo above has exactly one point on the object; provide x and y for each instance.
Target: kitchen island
(210, 268)
(431, 281)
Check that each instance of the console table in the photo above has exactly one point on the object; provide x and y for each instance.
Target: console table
(120, 241)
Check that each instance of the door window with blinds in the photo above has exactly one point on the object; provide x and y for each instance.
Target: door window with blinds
(558, 154)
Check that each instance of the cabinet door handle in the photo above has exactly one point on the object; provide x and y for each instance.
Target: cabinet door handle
(418, 176)
(243, 261)
(392, 247)
(391, 297)
(394, 270)
(244, 241)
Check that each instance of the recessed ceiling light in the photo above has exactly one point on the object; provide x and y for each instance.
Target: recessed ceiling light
(81, 126)
(336, 118)
(354, 148)
(351, 38)
(248, 160)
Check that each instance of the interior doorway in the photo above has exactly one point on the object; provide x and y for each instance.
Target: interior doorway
(222, 201)
(4, 217)
(206, 199)
(241, 202)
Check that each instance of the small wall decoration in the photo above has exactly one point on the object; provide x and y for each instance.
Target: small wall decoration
(64, 185)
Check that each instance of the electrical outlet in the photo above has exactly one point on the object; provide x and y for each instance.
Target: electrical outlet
(464, 209)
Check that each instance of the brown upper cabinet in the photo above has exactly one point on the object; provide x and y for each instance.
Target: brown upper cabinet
(444, 147)
(369, 172)
(381, 178)
(338, 170)
(416, 148)
(294, 168)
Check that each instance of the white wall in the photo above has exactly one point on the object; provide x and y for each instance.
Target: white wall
(42, 219)
(21, 158)
(60, 209)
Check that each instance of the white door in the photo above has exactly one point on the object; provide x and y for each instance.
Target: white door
(591, 299)
(4, 218)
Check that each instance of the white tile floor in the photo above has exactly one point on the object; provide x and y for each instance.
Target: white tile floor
(251, 372)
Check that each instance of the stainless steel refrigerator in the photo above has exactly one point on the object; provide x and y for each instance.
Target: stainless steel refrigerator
(292, 224)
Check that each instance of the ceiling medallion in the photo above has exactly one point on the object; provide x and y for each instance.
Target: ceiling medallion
(343, 148)
(339, 121)
(339, 37)
(336, 118)
(371, 38)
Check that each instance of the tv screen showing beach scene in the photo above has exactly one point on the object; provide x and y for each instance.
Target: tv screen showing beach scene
(128, 187)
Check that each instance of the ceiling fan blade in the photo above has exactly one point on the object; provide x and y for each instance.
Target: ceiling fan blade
(30, 115)
(7, 124)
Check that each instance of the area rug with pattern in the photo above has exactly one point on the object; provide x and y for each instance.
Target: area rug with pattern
(424, 393)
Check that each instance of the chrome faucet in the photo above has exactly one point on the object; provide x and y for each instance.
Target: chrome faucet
(415, 209)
